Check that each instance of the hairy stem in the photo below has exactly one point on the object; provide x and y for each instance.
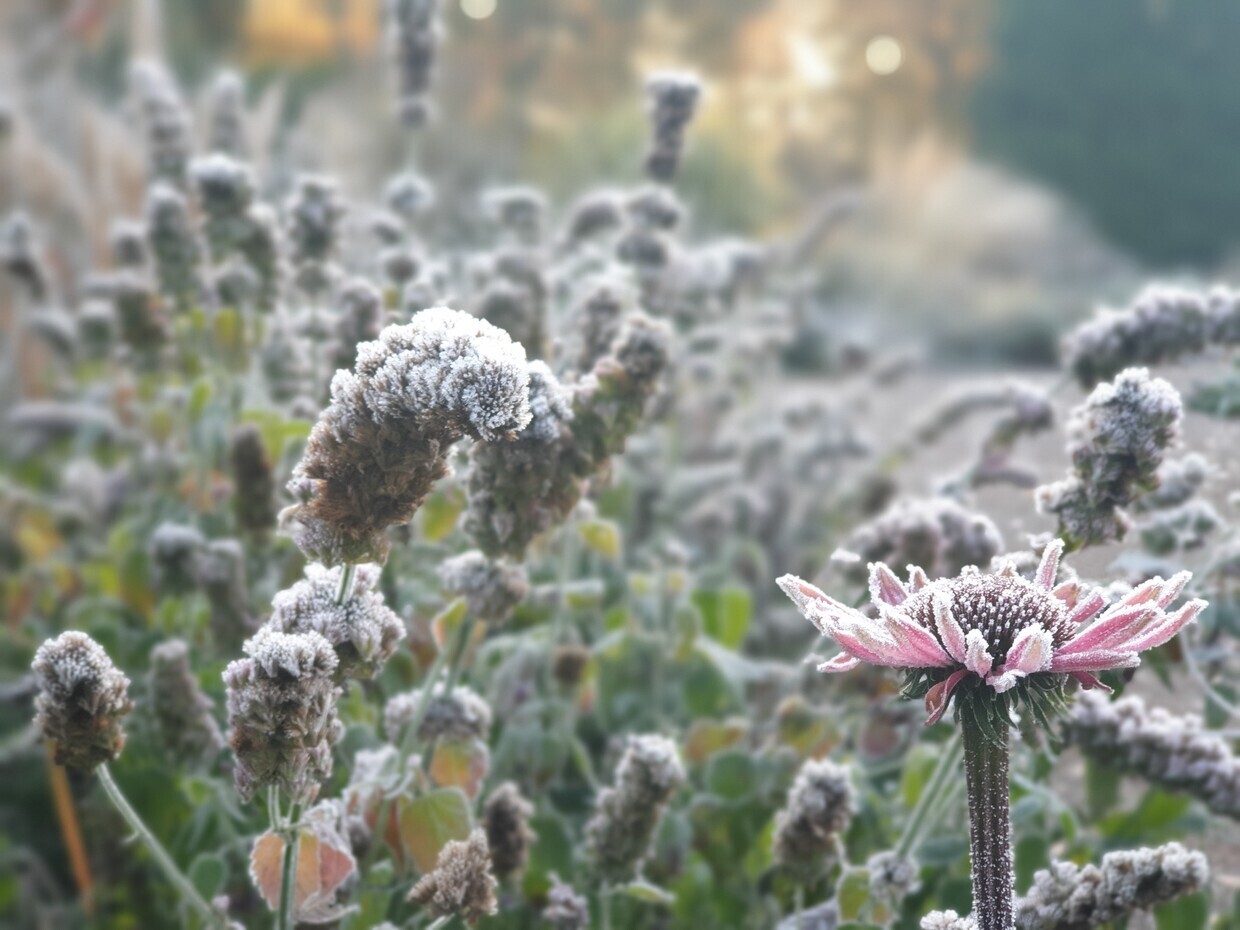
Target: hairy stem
(158, 853)
(346, 583)
(990, 822)
(285, 919)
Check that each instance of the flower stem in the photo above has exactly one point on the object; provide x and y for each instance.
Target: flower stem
(990, 821)
(285, 919)
(158, 853)
(346, 583)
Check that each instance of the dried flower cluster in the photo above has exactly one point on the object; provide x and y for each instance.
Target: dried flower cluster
(413, 35)
(518, 490)
(382, 443)
(819, 807)
(1162, 324)
(492, 588)
(936, 533)
(1176, 752)
(673, 100)
(360, 627)
(81, 702)
(1068, 896)
(506, 819)
(461, 883)
(461, 715)
(618, 836)
(184, 715)
(1119, 436)
(565, 910)
(282, 712)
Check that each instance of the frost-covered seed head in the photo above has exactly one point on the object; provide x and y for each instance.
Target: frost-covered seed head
(408, 195)
(363, 629)
(565, 910)
(947, 920)
(1175, 752)
(413, 34)
(618, 836)
(173, 244)
(672, 100)
(174, 550)
(282, 711)
(506, 819)
(253, 482)
(81, 702)
(1068, 896)
(492, 588)
(936, 533)
(463, 715)
(461, 883)
(220, 570)
(226, 118)
(1118, 438)
(383, 441)
(314, 212)
(892, 876)
(184, 715)
(819, 808)
(126, 239)
(165, 122)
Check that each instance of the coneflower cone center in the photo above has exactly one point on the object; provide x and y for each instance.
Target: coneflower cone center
(1000, 606)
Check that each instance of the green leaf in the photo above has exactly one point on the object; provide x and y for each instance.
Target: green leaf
(854, 893)
(731, 775)
(1032, 853)
(440, 513)
(208, 873)
(428, 822)
(1190, 912)
(707, 737)
(1102, 785)
(726, 614)
(645, 891)
(461, 764)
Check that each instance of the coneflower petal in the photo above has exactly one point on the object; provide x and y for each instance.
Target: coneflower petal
(1049, 566)
(978, 659)
(919, 642)
(885, 587)
(1096, 661)
(938, 696)
(1155, 636)
(1113, 627)
(949, 630)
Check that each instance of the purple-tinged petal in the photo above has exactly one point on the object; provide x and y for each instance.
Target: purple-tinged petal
(1097, 661)
(918, 641)
(865, 641)
(1164, 632)
(840, 663)
(1112, 628)
(977, 658)
(1087, 608)
(1089, 682)
(885, 587)
(1049, 566)
(813, 604)
(1069, 592)
(1172, 588)
(1031, 650)
(1143, 593)
(938, 696)
(917, 579)
(950, 632)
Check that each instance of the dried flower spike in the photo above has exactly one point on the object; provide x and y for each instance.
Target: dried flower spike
(618, 836)
(461, 883)
(820, 806)
(82, 700)
(282, 710)
(183, 713)
(383, 442)
(362, 628)
(506, 819)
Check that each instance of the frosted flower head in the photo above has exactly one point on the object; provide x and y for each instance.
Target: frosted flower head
(994, 630)
(519, 210)
(492, 588)
(1069, 895)
(506, 818)
(183, 714)
(363, 629)
(313, 214)
(82, 699)
(1118, 438)
(174, 550)
(820, 807)
(460, 716)
(408, 195)
(282, 710)
(461, 882)
(565, 910)
(383, 442)
(226, 117)
(672, 100)
(619, 834)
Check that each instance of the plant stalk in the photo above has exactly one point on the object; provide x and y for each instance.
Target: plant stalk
(158, 853)
(285, 919)
(990, 823)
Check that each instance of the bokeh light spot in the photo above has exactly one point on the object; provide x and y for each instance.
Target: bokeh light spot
(478, 9)
(883, 55)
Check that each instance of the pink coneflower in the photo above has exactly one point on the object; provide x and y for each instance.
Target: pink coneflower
(1001, 627)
